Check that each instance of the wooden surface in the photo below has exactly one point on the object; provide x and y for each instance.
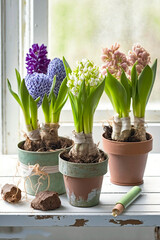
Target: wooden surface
(145, 211)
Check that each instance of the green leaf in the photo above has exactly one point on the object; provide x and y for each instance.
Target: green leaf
(53, 99)
(14, 94)
(144, 85)
(118, 93)
(66, 66)
(95, 96)
(33, 111)
(60, 100)
(56, 114)
(82, 103)
(114, 103)
(45, 108)
(91, 105)
(59, 108)
(82, 94)
(62, 90)
(37, 100)
(18, 80)
(52, 88)
(135, 103)
(62, 95)
(51, 106)
(74, 106)
(108, 93)
(25, 101)
(134, 79)
(126, 84)
(154, 69)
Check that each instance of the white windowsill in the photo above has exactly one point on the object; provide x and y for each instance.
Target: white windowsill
(145, 210)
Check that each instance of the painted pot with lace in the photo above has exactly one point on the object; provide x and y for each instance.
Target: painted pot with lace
(44, 86)
(40, 170)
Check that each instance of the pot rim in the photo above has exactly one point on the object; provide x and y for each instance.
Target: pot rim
(127, 148)
(129, 143)
(73, 169)
(33, 152)
(83, 164)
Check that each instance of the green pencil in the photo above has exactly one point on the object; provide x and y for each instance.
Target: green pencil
(126, 200)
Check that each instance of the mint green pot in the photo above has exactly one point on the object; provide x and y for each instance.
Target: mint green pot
(83, 181)
(55, 180)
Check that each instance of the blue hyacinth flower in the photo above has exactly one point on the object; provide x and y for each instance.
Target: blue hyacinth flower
(56, 67)
(38, 84)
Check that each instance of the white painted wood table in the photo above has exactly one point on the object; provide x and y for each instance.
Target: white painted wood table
(145, 211)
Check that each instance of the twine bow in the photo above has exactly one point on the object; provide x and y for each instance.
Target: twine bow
(42, 176)
(35, 170)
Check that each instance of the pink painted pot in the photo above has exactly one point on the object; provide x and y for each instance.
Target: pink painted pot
(83, 181)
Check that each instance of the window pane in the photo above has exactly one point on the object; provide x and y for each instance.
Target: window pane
(79, 29)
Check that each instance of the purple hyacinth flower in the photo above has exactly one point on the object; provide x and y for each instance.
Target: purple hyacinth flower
(38, 84)
(56, 67)
(36, 59)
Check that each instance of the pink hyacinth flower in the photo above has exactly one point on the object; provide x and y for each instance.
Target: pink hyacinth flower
(140, 55)
(115, 61)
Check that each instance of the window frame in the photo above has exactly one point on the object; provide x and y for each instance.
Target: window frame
(9, 44)
(27, 24)
(1, 76)
(20, 25)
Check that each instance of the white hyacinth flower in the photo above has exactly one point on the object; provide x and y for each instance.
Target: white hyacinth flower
(84, 61)
(85, 71)
(82, 77)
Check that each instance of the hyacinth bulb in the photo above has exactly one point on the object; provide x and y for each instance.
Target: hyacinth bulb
(38, 84)
(36, 59)
(56, 67)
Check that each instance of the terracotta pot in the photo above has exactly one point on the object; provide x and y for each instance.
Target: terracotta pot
(127, 160)
(83, 181)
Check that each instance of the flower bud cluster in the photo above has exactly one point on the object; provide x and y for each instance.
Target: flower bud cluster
(56, 67)
(41, 72)
(139, 55)
(38, 84)
(36, 59)
(85, 71)
(114, 61)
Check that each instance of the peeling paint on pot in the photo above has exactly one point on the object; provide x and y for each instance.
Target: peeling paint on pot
(83, 187)
(78, 201)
